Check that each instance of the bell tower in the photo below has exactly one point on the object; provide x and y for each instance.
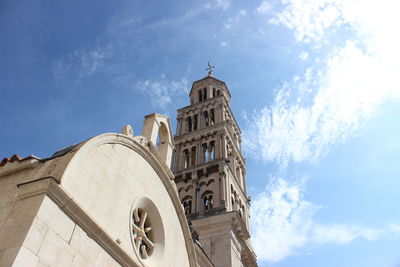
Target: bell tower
(210, 174)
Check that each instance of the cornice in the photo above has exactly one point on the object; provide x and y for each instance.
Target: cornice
(210, 101)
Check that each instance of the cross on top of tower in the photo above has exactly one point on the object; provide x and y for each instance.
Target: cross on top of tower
(209, 68)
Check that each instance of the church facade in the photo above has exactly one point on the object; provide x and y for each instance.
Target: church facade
(123, 200)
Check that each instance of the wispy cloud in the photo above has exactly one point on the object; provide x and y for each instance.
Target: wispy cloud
(310, 19)
(324, 107)
(232, 21)
(303, 55)
(265, 7)
(284, 223)
(354, 81)
(222, 4)
(82, 62)
(162, 90)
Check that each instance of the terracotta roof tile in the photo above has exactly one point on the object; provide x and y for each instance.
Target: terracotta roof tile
(12, 159)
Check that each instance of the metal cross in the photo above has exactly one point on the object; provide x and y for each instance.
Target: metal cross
(210, 67)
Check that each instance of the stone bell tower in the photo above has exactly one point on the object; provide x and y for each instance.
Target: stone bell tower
(210, 174)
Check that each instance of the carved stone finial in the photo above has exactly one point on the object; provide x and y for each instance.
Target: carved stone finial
(127, 130)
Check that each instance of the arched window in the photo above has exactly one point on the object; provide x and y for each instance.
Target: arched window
(204, 153)
(206, 119)
(193, 156)
(185, 159)
(187, 204)
(211, 150)
(195, 122)
(208, 200)
(205, 94)
(189, 124)
(214, 92)
(200, 96)
(212, 117)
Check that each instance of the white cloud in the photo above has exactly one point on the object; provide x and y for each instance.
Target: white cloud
(265, 7)
(223, 4)
(82, 62)
(283, 224)
(303, 55)
(323, 108)
(230, 22)
(310, 18)
(328, 104)
(162, 90)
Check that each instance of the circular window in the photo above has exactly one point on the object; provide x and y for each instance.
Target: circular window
(142, 233)
(147, 232)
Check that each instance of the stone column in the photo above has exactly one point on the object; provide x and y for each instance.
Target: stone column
(181, 126)
(222, 191)
(220, 115)
(196, 192)
(244, 180)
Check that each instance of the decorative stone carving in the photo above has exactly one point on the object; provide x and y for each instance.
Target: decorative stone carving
(147, 232)
(142, 233)
(141, 140)
(127, 130)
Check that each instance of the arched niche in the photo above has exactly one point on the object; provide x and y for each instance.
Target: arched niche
(157, 129)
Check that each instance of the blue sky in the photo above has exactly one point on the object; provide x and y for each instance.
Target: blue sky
(315, 88)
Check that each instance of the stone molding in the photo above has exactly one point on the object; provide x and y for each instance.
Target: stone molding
(48, 186)
(30, 162)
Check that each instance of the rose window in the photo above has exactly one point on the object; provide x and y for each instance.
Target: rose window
(142, 233)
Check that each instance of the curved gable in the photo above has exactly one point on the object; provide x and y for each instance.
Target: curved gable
(111, 177)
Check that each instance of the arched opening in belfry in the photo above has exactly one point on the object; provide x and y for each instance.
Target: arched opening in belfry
(207, 200)
(205, 94)
(206, 119)
(189, 124)
(195, 122)
(211, 151)
(186, 159)
(204, 153)
(200, 96)
(212, 116)
(187, 204)
(214, 92)
(193, 156)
